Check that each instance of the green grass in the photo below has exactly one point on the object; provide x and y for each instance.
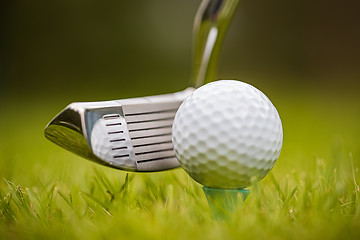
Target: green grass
(312, 193)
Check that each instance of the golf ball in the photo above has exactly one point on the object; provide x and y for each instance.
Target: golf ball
(227, 134)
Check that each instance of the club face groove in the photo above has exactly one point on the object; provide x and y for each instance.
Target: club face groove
(130, 134)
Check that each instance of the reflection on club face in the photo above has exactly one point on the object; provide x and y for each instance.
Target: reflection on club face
(129, 134)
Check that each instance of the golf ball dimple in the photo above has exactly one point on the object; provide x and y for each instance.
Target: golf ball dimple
(226, 134)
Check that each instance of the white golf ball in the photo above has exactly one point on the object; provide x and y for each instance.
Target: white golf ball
(226, 133)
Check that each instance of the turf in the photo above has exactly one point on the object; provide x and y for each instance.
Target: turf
(312, 193)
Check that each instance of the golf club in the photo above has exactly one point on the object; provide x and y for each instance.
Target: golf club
(135, 134)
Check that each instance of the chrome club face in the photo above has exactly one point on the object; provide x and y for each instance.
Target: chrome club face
(129, 134)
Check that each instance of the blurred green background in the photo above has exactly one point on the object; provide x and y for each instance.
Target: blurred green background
(90, 50)
(304, 55)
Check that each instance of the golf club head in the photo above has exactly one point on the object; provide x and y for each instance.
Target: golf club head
(130, 134)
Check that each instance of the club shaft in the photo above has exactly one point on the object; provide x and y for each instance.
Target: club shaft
(210, 26)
